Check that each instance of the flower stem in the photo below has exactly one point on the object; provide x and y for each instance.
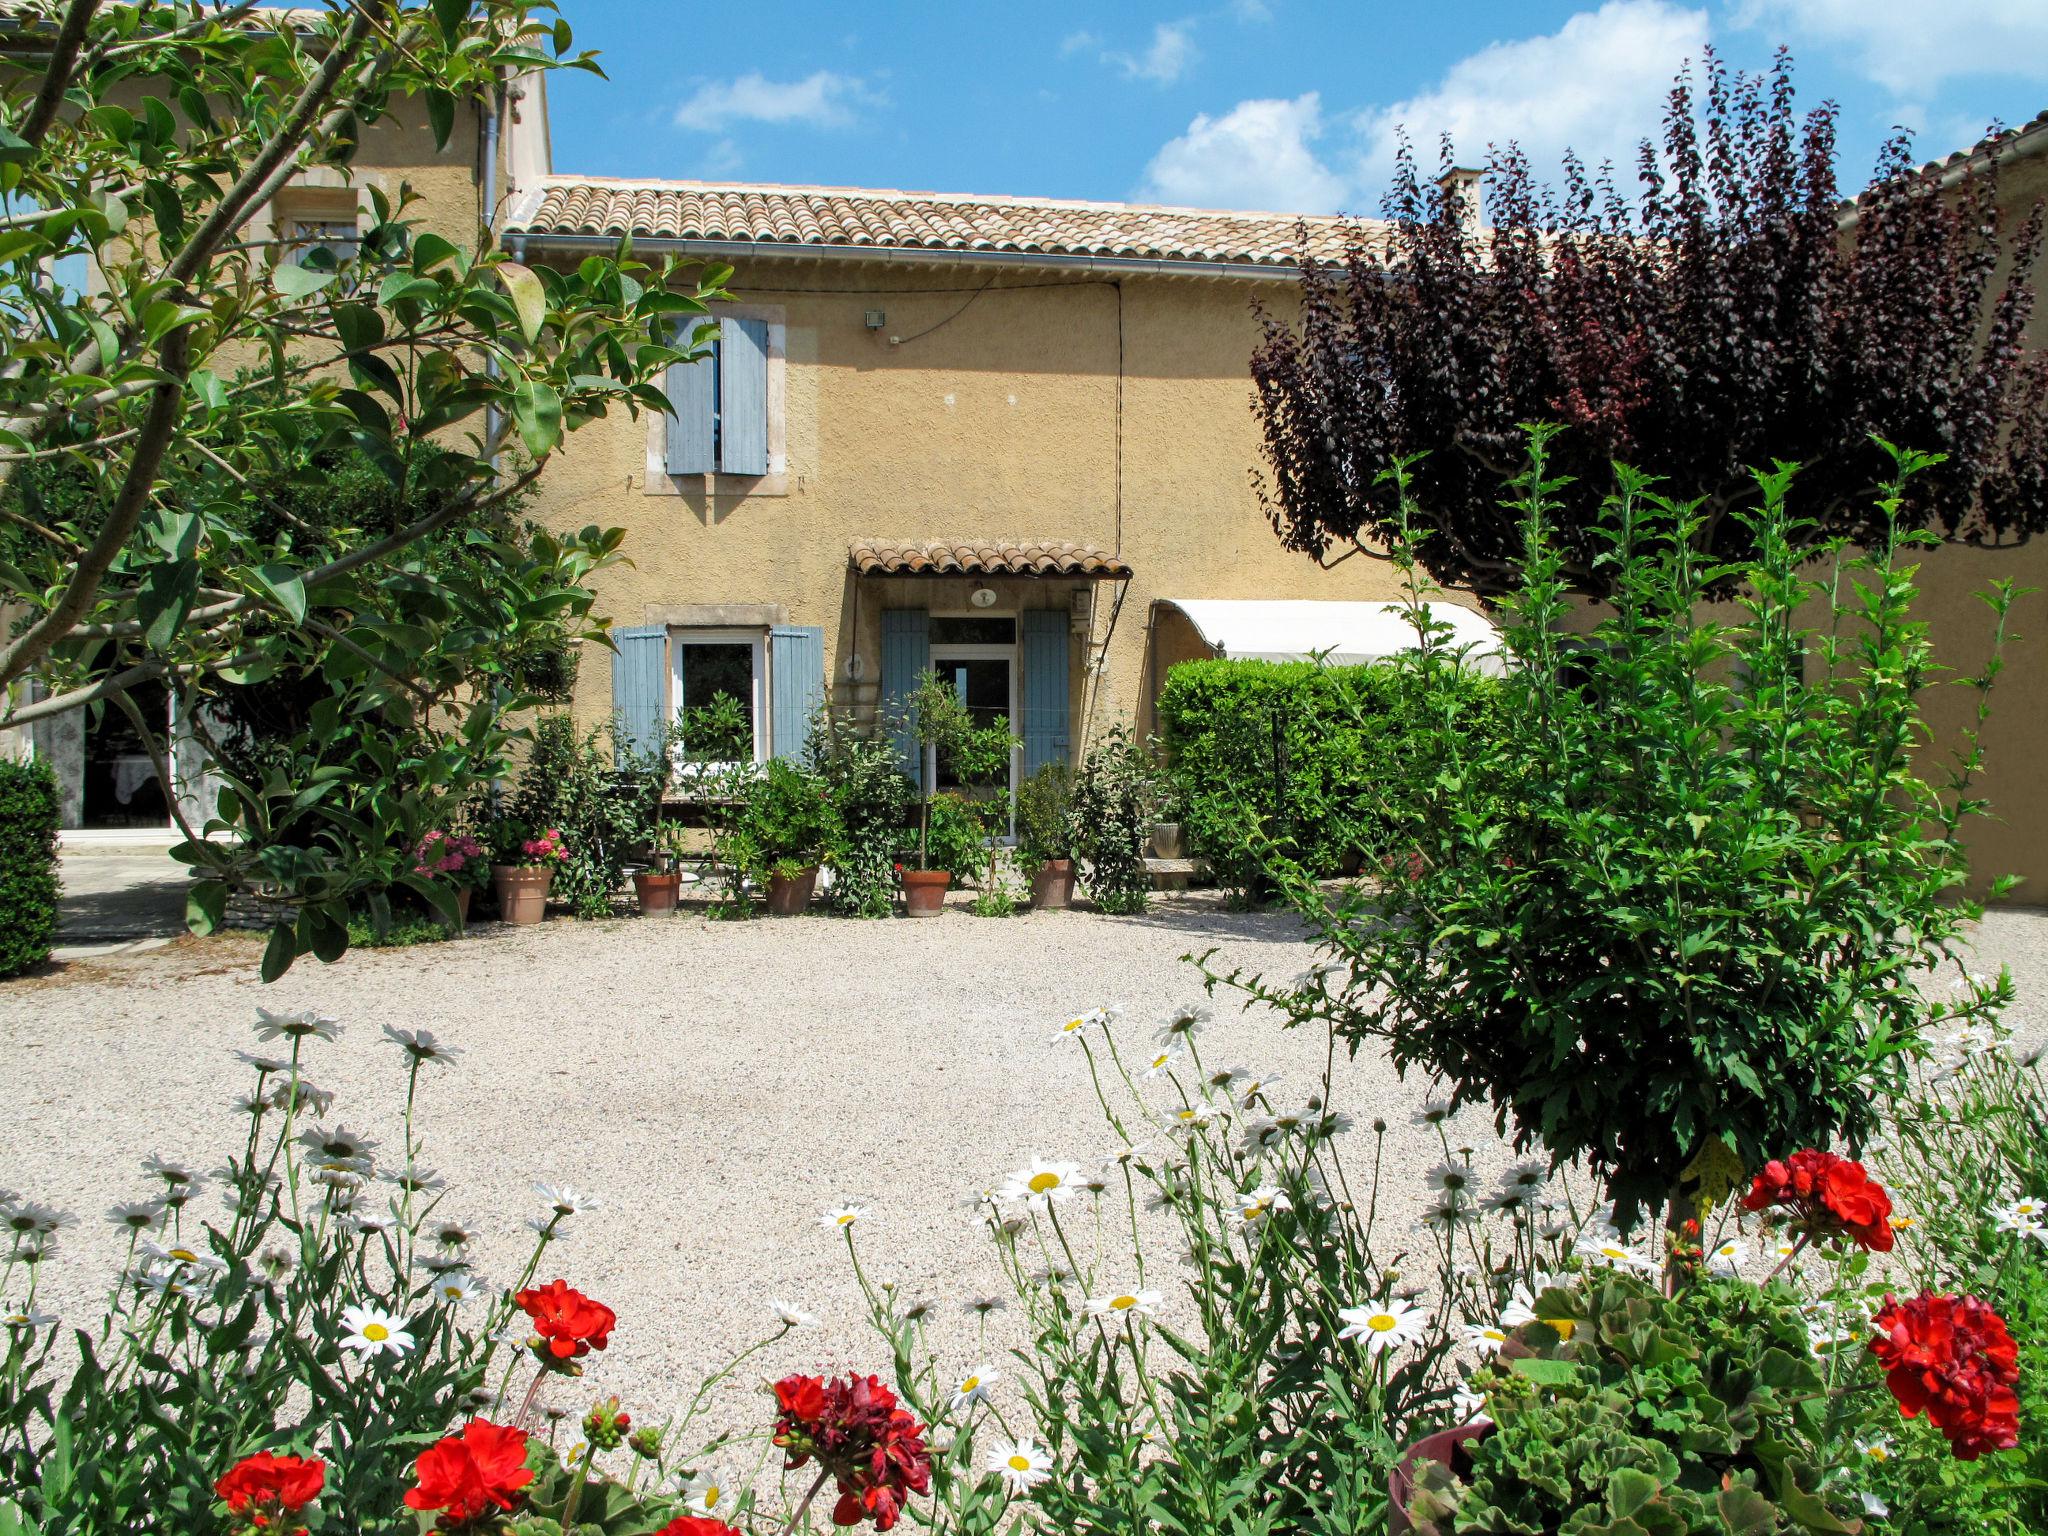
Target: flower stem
(796, 1518)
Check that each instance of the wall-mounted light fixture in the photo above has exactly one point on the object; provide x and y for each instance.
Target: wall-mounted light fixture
(1084, 609)
(874, 319)
(982, 597)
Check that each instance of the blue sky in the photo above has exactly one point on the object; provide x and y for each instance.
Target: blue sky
(1280, 104)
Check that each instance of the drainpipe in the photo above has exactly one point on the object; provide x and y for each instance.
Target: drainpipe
(493, 115)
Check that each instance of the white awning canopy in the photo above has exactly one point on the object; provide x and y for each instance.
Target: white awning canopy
(1261, 629)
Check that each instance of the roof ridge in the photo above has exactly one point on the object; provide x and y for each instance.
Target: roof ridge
(565, 180)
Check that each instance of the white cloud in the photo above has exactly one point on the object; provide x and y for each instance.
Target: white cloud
(1258, 155)
(1251, 10)
(1079, 42)
(1596, 85)
(820, 100)
(1165, 60)
(1910, 45)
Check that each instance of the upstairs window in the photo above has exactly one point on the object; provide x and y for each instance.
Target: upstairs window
(718, 404)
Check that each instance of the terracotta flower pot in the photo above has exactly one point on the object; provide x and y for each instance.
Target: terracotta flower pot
(1440, 1447)
(657, 891)
(924, 892)
(789, 895)
(522, 891)
(1052, 886)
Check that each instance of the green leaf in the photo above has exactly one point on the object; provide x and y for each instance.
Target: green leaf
(286, 587)
(529, 297)
(537, 410)
(296, 282)
(206, 906)
(430, 250)
(279, 953)
(1545, 1373)
(14, 149)
(441, 115)
(451, 14)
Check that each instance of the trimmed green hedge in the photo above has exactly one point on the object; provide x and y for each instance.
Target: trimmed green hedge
(1308, 756)
(28, 865)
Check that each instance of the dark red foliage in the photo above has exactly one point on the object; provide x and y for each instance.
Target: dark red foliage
(1724, 319)
(1829, 1195)
(1951, 1358)
(873, 1449)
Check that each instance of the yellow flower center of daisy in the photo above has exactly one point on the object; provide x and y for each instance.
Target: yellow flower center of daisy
(970, 1384)
(1074, 1024)
(1041, 1182)
(1879, 1453)
(1020, 1463)
(1162, 1058)
(711, 1496)
(1254, 1211)
(376, 1333)
(185, 1255)
(1382, 1322)
(845, 1218)
(1122, 1303)
(1494, 1334)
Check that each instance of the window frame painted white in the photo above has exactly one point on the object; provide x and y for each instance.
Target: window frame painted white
(682, 636)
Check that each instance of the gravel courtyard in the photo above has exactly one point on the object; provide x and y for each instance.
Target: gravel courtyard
(715, 1085)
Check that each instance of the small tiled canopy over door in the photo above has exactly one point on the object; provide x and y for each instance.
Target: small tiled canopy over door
(692, 399)
(640, 687)
(1045, 729)
(796, 681)
(743, 398)
(906, 657)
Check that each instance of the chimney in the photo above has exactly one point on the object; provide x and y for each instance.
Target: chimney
(1468, 188)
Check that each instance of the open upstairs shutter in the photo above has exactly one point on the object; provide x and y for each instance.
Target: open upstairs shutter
(639, 688)
(906, 657)
(1044, 633)
(692, 401)
(796, 685)
(743, 398)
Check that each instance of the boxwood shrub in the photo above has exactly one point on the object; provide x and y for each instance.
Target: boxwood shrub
(28, 865)
(1289, 758)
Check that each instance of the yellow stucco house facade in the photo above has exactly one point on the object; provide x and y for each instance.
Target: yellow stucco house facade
(997, 437)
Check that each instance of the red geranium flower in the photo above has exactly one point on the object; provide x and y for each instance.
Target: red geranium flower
(1951, 1358)
(873, 1449)
(569, 1322)
(472, 1476)
(696, 1525)
(264, 1487)
(1829, 1194)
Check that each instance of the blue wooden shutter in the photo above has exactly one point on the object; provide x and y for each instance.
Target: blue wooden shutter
(743, 398)
(1045, 729)
(796, 682)
(639, 687)
(691, 404)
(906, 657)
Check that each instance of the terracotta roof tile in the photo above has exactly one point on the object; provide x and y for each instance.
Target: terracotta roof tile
(848, 217)
(960, 557)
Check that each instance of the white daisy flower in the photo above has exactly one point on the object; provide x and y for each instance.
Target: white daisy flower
(188, 1258)
(31, 1217)
(1095, 1180)
(1467, 1404)
(25, 1318)
(421, 1045)
(707, 1496)
(138, 1215)
(1254, 1206)
(2022, 1215)
(1124, 1304)
(973, 1387)
(1042, 1183)
(1433, 1112)
(1125, 1156)
(373, 1222)
(297, 1026)
(1529, 1173)
(1022, 1465)
(456, 1287)
(1195, 1117)
(1163, 1061)
(1255, 1087)
(418, 1181)
(1077, 1027)
(981, 1306)
(840, 1217)
(1728, 1257)
(444, 1263)
(266, 1066)
(337, 1145)
(1879, 1449)
(1259, 1134)
(566, 1200)
(1383, 1326)
(1487, 1338)
(1226, 1078)
(371, 1331)
(1452, 1177)
(1185, 1023)
(549, 1227)
(1449, 1213)
(791, 1317)
(450, 1232)
(1600, 1248)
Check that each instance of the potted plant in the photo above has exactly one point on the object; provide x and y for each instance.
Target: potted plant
(660, 885)
(1046, 836)
(524, 869)
(787, 826)
(938, 721)
(454, 859)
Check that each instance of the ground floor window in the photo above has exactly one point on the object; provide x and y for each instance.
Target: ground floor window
(717, 694)
(983, 672)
